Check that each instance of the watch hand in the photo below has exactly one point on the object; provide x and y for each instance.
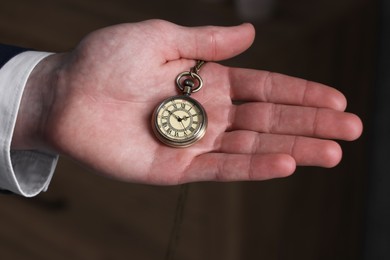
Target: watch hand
(177, 117)
(184, 128)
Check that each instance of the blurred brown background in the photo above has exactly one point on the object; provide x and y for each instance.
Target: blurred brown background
(315, 214)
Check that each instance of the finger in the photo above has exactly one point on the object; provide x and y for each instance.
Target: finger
(239, 167)
(211, 43)
(253, 85)
(295, 120)
(305, 151)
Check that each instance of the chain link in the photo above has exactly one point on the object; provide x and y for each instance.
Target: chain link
(196, 68)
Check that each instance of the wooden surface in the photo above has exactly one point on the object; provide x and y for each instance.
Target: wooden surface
(315, 214)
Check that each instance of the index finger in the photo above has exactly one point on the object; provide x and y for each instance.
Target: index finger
(254, 85)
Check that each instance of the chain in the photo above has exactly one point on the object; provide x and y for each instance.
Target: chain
(183, 193)
(196, 68)
(177, 223)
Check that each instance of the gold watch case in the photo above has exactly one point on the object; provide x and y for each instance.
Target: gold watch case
(179, 121)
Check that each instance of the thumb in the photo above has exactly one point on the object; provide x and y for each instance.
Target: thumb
(213, 43)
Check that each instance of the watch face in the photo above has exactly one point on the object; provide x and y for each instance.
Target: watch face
(179, 121)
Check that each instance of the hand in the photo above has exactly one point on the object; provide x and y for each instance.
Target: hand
(97, 100)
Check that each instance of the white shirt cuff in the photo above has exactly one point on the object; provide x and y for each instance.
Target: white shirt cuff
(23, 172)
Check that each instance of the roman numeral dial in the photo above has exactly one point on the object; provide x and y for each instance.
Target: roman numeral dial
(179, 121)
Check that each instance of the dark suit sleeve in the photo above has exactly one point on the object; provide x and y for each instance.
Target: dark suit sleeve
(7, 52)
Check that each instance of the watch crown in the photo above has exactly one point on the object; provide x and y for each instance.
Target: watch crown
(188, 85)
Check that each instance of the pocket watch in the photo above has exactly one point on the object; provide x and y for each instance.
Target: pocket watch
(180, 121)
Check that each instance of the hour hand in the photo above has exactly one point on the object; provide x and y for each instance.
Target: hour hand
(172, 114)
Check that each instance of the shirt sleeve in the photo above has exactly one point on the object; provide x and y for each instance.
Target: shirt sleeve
(26, 173)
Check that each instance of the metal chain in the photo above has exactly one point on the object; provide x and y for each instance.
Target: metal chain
(183, 193)
(196, 68)
(177, 223)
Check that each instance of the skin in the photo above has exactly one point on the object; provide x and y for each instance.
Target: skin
(94, 104)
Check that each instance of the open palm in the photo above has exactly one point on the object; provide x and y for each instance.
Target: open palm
(261, 124)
